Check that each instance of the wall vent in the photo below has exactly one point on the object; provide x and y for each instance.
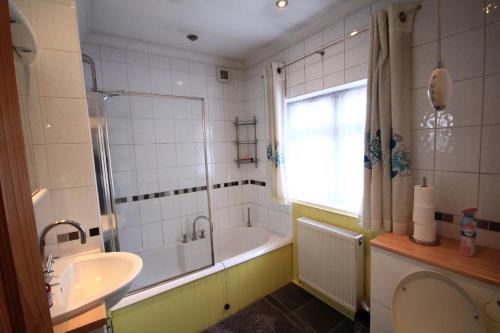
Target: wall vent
(223, 74)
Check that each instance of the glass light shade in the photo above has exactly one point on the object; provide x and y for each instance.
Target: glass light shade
(439, 88)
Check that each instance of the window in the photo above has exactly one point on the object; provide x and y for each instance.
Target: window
(324, 142)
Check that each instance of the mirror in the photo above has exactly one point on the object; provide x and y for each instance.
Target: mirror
(24, 48)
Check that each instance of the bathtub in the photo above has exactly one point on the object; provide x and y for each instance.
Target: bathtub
(232, 246)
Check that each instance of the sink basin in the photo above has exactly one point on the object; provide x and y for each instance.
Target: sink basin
(85, 281)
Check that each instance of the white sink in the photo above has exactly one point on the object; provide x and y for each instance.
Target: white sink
(85, 281)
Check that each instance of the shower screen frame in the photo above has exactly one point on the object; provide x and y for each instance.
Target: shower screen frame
(102, 163)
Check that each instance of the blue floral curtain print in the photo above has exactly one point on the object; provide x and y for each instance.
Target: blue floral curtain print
(388, 185)
(274, 155)
(275, 113)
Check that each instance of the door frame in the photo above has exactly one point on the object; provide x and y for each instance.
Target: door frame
(23, 301)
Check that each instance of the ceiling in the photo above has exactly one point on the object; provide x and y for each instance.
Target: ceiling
(234, 29)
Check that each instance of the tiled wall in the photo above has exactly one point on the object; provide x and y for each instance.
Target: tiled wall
(52, 94)
(463, 162)
(156, 146)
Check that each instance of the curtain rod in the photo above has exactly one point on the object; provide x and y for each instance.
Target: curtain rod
(354, 33)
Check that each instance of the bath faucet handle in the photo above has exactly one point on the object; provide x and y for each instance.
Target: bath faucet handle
(184, 238)
(202, 234)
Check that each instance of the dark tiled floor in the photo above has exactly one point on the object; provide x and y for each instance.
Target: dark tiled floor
(290, 309)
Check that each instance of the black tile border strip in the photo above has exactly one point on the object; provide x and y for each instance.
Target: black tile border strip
(74, 235)
(481, 224)
(186, 190)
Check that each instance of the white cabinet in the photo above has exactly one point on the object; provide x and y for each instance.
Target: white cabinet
(388, 268)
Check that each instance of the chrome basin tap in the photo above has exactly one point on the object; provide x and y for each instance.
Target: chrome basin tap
(78, 226)
(201, 217)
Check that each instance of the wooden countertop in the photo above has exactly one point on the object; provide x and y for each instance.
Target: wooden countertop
(90, 320)
(484, 266)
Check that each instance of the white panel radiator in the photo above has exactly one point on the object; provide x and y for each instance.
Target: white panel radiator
(331, 261)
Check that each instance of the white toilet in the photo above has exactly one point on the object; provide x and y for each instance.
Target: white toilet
(430, 302)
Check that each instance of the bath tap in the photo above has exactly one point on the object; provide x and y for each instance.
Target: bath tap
(78, 226)
(201, 217)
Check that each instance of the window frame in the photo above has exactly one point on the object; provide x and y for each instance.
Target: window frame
(345, 86)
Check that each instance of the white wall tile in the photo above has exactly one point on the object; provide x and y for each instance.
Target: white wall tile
(490, 156)
(197, 68)
(167, 178)
(313, 42)
(112, 54)
(125, 183)
(64, 120)
(92, 50)
(122, 157)
(60, 74)
(141, 107)
(189, 204)
(76, 204)
(334, 79)
(185, 154)
(167, 156)
(314, 71)
(120, 131)
(358, 20)
(489, 197)
(179, 65)
(158, 61)
(165, 130)
(424, 29)
(463, 54)
(136, 58)
(356, 56)
(171, 230)
(492, 48)
(491, 99)
(127, 214)
(333, 33)
(147, 181)
(424, 61)
(423, 149)
(198, 85)
(356, 73)
(70, 165)
(117, 106)
(457, 149)
(152, 235)
(170, 207)
(455, 191)
(423, 115)
(161, 81)
(138, 78)
(150, 210)
(461, 16)
(130, 239)
(186, 176)
(57, 26)
(180, 83)
(145, 156)
(464, 108)
(114, 75)
(143, 130)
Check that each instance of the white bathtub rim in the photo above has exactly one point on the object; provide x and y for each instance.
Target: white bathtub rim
(274, 243)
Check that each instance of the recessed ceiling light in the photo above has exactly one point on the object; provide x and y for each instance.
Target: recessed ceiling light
(192, 37)
(281, 3)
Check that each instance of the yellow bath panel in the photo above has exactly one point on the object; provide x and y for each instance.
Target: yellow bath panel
(199, 304)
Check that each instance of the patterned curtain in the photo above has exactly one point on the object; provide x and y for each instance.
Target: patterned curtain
(388, 185)
(275, 110)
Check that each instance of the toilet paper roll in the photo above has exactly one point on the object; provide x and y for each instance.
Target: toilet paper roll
(423, 195)
(425, 232)
(424, 213)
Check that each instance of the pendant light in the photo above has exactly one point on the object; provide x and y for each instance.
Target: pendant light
(439, 86)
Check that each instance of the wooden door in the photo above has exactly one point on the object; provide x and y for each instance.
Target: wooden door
(23, 303)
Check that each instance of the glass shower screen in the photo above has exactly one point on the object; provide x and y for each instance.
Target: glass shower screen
(156, 160)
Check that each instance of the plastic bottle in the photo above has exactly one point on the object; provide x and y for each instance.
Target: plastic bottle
(468, 233)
